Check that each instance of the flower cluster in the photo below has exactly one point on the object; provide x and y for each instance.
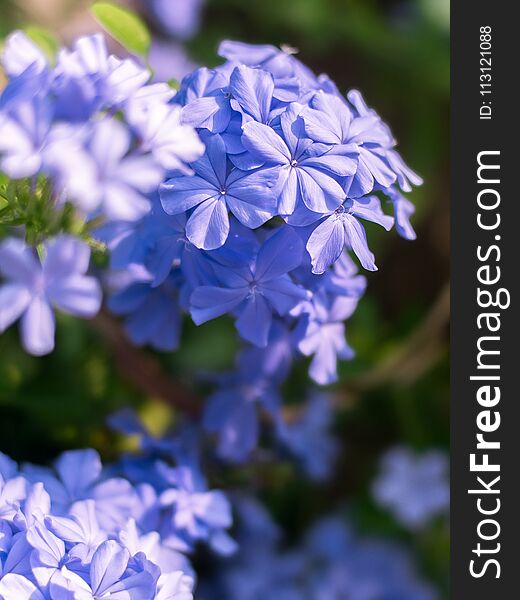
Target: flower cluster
(244, 194)
(79, 530)
(263, 227)
(259, 227)
(413, 487)
(92, 125)
(105, 139)
(267, 174)
(331, 562)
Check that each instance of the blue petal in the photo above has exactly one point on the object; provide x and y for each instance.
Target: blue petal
(216, 160)
(254, 322)
(342, 165)
(357, 240)
(253, 90)
(14, 300)
(327, 119)
(108, 565)
(262, 141)
(326, 243)
(209, 302)
(77, 295)
(281, 253)
(370, 210)
(180, 194)
(208, 226)
(251, 197)
(199, 112)
(18, 262)
(78, 470)
(283, 294)
(320, 192)
(66, 255)
(38, 327)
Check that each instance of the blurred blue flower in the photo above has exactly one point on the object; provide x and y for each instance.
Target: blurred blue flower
(152, 314)
(23, 130)
(413, 487)
(60, 121)
(180, 19)
(75, 531)
(33, 287)
(308, 437)
(332, 562)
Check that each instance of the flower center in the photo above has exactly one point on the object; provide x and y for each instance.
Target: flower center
(223, 192)
(294, 163)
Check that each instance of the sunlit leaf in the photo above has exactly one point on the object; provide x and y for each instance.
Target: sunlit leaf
(124, 26)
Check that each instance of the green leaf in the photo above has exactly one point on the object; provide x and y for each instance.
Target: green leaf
(3, 203)
(44, 40)
(124, 26)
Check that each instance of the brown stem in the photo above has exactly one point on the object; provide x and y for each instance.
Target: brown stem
(142, 370)
(417, 354)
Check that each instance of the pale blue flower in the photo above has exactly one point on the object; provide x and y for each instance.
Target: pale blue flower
(414, 487)
(33, 287)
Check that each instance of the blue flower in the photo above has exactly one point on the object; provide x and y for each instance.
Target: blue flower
(308, 437)
(196, 512)
(343, 229)
(54, 545)
(152, 313)
(320, 331)
(23, 131)
(87, 79)
(33, 287)
(181, 19)
(252, 93)
(212, 191)
(293, 79)
(414, 487)
(253, 292)
(308, 176)
(232, 411)
(332, 561)
(59, 121)
(77, 476)
(122, 180)
(206, 99)
(403, 210)
(19, 53)
(329, 120)
(161, 131)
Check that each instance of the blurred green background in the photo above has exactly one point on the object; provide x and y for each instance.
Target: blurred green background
(397, 388)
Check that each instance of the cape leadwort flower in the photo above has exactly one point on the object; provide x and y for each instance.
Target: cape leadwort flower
(33, 286)
(282, 149)
(413, 487)
(105, 139)
(331, 562)
(76, 531)
(268, 175)
(92, 124)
